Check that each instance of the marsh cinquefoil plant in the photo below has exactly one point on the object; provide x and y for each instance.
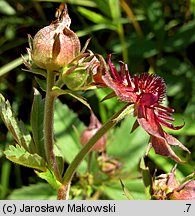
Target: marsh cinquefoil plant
(55, 53)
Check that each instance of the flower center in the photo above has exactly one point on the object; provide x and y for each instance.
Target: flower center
(151, 89)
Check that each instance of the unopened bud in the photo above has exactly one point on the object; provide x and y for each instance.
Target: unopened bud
(94, 126)
(55, 46)
(80, 75)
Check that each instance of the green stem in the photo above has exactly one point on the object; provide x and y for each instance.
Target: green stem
(89, 161)
(48, 124)
(85, 150)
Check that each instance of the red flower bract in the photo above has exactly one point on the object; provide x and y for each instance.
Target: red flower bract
(146, 92)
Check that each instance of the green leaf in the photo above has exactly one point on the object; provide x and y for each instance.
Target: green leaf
(174, 65)
(57, 91)
(189, 127)
(36, 120)
(131, 148)
(113, 190)
(11, 65)
(103, 6)
(42, 83)
(87, 3)
(93, 28)
(40, 191)
(81, 99)
(67, 140)
(146, 178)
(17, 128)
(37, 71)
(6, 8)
(166, 164)
(95, 17)
(126, 191)
(156, 20)
(142, 47)
(19, 155)
(50, 178)
(182, 38)
(115, 10)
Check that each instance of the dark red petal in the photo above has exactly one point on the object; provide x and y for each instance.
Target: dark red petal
(148, 121)
(119, 89)
(122, 70)
(165, 108)
(113, 70)
(175, 142)
(164, 112)
(161, 147)
(162, 116)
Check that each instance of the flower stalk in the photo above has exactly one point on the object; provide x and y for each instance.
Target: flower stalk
(127, 109)
(48, 124)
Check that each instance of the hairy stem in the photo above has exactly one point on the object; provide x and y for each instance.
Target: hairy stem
(85, 150)
(63, 192)
(48, 124)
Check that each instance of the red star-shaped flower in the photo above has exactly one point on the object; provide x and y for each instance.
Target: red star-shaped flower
(146, 92)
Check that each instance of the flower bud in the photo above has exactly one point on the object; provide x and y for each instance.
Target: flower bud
(164, 184)
(55, 46)
(108, 164)
(166, 187)
(93, 127)
(187, 192)
(80, 75)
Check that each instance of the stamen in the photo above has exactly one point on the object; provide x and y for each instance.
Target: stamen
(166, 117)
(165, 108)
(164, 112)
(169, 125)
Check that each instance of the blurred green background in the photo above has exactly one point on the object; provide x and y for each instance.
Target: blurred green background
(156, 36)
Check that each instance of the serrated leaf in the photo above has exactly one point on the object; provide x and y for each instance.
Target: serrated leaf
(50, 178)
(17, 128)
(36, 120)
(19, 155)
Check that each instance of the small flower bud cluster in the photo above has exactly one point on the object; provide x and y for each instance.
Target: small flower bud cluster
(167, 187)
